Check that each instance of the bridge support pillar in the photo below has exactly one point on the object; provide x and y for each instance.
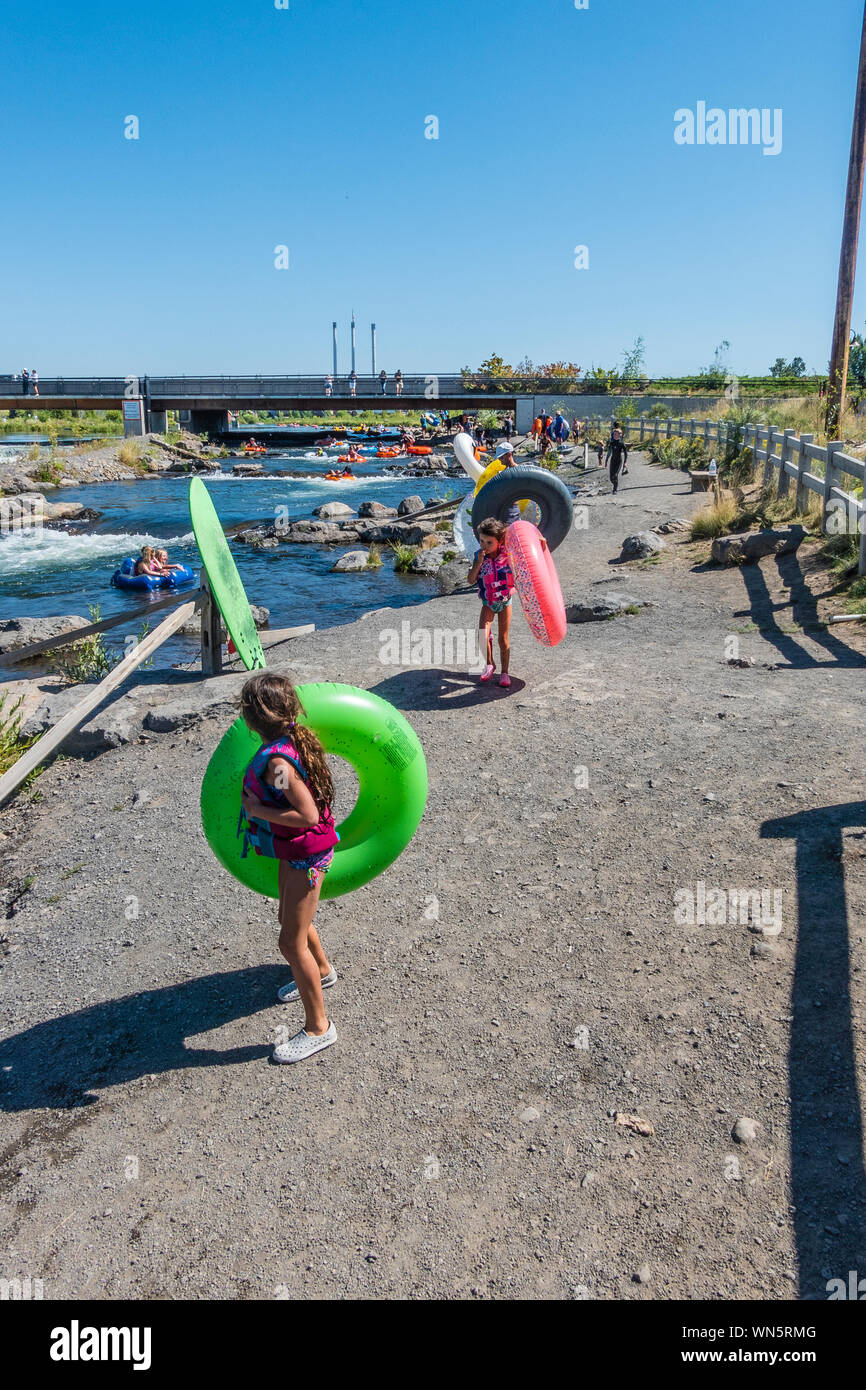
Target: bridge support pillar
(157, 421)
(208, 421)
(524, 414)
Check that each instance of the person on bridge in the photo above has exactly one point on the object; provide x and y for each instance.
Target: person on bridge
(353, 382)
(25, 382)
(34, 380)
(383, 381)
(329, 384)
(617, 453)
(398, 382)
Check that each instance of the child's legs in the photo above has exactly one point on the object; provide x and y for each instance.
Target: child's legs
(504, 637)
(485, 623)
(298, 903)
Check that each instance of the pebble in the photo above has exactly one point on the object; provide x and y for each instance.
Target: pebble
(643, 1275)
(745, 1130)
(529, 1114)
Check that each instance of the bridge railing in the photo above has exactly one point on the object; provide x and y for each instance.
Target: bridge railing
(785, 456)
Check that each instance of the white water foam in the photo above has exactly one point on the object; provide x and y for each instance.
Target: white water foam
(21, 551)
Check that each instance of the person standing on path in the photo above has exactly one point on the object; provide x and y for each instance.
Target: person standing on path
(495, 579)
(508, 428)
(617, 453)
(286, 807)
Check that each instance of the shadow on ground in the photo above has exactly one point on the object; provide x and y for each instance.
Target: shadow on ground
(828, 1181)
(804, 610)
(57, 1063)
(429, 688)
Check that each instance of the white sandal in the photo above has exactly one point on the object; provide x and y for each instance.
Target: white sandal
(289, 992)
(303, 1045)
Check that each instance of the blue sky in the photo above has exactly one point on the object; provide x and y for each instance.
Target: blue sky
(305, 127)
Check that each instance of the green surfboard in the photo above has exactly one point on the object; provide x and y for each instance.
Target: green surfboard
(222, 573)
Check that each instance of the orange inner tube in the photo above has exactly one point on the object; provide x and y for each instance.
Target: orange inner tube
(419, 449)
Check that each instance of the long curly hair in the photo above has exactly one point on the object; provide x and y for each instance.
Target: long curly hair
(270, 706)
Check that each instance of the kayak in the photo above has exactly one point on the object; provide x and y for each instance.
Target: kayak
(126, 578)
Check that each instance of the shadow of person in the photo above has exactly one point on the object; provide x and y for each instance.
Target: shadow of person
(426, 688)
(56, 1064)
(828, 1181)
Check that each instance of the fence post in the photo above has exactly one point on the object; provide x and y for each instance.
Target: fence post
(782, 490)
(829, 479)
(803, 467)
(767, 475)
(670, 423)
(656, 424)
(642, 427)
(706, 432)
(693, 423)
(211, 633)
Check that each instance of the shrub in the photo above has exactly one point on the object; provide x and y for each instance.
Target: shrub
(129, 452)
(403, 557)
(12, 745)
(714, 520)
(49, 472)
(374, 559)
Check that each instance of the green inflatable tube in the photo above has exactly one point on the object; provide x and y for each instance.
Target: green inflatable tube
(387, 756)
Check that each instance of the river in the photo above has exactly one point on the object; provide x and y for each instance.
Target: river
(50, 572)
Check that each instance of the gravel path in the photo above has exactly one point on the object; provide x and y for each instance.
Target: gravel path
(520, 978)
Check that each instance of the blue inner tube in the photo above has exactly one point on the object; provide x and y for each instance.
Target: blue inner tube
(125, 578)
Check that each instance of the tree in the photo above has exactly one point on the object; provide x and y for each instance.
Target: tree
(781, 368)
(716, 373)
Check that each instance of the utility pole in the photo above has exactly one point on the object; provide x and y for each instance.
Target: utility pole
(353, 340)
(838, 383)
(373, 344)
(334, 332)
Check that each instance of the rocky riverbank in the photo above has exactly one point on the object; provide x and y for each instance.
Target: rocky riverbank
(78, 465)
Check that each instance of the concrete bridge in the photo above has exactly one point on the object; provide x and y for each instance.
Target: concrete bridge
(208, 399)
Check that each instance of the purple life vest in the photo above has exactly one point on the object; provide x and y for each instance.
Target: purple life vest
(278, 841)
(495, 578)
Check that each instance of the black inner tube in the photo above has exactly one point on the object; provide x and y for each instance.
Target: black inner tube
(548, 492)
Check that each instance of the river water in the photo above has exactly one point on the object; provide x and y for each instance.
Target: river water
(51, 572)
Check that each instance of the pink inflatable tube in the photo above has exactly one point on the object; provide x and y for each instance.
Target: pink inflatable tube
(537, 582)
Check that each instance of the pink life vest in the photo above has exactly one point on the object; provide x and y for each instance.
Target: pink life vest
(495, 578)
(278, 841)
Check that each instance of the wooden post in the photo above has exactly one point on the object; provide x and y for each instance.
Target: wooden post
(706, 432)
(211, 632)
(787, 453)
(829, 479)
(656, 424)
(803, 467)
(66, 639)
(838, 382)
(642, 427)
(40, 750)
(669, 428)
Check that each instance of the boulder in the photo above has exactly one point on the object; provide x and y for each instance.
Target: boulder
(738, 550)
(20, 632)
(376, 509)
(428, 561)
(596, 610)
(641, 545)
(247, 470)
(351, 561)
(333, 509)
(411, 533)
(452, 575)
(108, 728)
(409, 505)
(316, 533)
(673, 523)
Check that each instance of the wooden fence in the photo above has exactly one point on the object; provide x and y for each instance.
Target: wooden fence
(785, 456)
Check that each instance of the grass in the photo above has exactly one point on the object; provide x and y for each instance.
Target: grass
(129, 453)
(403, 557)
(12, 745)
(49, 472)
(374, 558)
(714, 520)
(67, 873)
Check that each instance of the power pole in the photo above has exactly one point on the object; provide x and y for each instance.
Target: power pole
(353, 340)
(373, 344)
(334, 332)
(838, 383)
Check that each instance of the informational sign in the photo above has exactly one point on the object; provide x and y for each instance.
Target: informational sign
(133, 417)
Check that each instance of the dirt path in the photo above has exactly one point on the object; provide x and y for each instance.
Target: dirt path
(517, 979)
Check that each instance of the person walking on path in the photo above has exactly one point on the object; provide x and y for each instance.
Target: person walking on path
(398, 382)
(617, 453)
(600, 452)
(508, 427)
(383, 381)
